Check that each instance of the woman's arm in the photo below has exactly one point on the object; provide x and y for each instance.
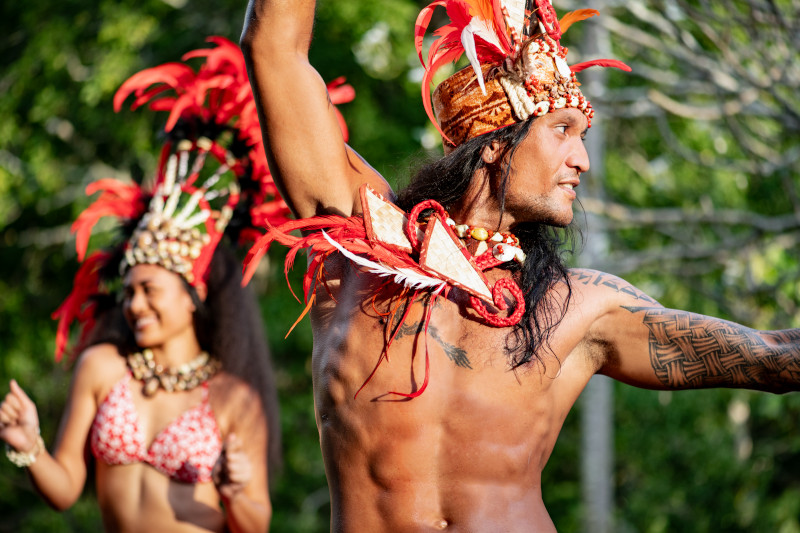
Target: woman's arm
(315, 171)
(240, 474)
(59, 477)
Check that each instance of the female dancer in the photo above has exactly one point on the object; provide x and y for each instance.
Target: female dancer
(172, 432)
(172, 390)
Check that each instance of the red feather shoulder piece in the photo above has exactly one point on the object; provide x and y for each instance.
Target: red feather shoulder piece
(391, 244)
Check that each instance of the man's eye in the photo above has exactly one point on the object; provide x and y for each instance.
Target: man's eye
(562, 128)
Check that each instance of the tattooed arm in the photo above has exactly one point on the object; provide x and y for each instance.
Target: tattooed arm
(642, 343)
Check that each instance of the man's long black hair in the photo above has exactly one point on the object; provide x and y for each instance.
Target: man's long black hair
(446, 181)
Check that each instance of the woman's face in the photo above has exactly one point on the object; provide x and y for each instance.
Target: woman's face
(156, 305)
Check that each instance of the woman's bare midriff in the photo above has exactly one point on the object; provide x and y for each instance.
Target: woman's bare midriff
(138, 498)
(465, 455)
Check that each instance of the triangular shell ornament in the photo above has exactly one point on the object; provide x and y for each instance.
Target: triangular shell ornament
(384, 221)
(444, 255)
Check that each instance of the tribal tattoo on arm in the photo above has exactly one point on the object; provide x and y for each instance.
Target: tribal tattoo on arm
(688, 350)
(595, 278)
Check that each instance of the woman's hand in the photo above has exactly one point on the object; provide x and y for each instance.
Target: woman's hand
(19, 420)
(233, 470)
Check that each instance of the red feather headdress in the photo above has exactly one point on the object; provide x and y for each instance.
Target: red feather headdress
(212, 166)
(519, 67)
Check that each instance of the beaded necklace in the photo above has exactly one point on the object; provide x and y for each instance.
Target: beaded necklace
(183, 378)
(504, 245)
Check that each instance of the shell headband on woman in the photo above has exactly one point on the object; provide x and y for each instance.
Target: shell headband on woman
(212, 172)
(519, 68)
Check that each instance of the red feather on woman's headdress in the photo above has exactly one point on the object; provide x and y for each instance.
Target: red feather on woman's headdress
(77, 305)
(219, 93)
(124, 201)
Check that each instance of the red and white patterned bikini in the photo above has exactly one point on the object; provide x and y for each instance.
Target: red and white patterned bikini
(186, 450)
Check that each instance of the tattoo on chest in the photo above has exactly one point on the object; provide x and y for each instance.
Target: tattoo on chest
(589, 277)
(454, 353)
(688, 350)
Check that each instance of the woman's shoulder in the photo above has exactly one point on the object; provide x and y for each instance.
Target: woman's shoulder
(232, 398)
(101, 364)
(237, 406)
(231, 388)
(103, 355)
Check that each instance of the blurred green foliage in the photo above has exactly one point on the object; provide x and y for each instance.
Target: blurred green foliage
(703, 461)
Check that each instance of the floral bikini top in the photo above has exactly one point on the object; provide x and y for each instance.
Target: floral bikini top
(186, 450)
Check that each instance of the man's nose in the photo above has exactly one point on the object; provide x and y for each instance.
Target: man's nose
(579, 157)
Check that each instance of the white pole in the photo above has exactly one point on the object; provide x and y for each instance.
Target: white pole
(597, 403)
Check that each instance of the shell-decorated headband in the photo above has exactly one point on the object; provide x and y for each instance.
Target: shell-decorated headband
(519, 68)
(187, 215)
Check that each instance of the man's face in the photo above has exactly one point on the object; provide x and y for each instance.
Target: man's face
(546, 168)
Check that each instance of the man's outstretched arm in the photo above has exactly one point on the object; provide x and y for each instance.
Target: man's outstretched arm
(647, 345)
(315, 171)
(687, 351)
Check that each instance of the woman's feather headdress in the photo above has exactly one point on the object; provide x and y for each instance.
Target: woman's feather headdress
(212, 178)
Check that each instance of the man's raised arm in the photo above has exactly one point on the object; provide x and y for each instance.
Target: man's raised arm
(315, 171)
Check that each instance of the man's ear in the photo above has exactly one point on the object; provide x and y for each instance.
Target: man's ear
(492, 153)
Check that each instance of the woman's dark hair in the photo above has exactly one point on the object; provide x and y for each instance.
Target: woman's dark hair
(228, 326)
(446, 180)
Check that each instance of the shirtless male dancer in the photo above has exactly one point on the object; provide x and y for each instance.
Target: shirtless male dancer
(451, 428)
